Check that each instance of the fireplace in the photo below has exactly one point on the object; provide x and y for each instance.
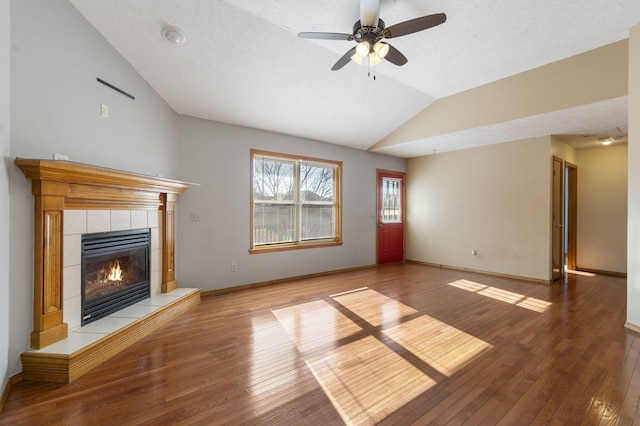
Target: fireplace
(72, 200)
(115, 272)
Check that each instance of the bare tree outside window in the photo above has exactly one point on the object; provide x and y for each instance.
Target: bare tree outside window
(272, 180)
(316, 183)
(316, 193)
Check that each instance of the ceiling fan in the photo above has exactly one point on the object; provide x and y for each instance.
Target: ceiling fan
(368, 33)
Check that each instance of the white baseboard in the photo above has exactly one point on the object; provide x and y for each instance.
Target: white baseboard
(632, 327)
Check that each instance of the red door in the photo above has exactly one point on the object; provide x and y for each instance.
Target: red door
(390, 217)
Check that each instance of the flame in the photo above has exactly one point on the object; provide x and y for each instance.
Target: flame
(115, 272)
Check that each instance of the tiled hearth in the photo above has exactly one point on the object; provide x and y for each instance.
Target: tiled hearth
(86, 347)
(83, 337)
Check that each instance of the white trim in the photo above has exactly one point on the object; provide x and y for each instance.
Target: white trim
(632, 327)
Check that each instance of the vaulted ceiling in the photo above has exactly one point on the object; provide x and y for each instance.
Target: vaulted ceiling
(243, 63)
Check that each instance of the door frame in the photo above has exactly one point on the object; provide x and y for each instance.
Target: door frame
(378, 218)
(571, 173)
(557, 235)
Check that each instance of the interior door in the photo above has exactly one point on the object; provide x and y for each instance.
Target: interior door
(391, 207)
(557, 246)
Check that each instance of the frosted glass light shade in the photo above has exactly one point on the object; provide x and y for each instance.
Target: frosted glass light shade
(381, 49)
(363, 48)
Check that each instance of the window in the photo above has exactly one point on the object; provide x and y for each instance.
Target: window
(295, 202)
(391, 198)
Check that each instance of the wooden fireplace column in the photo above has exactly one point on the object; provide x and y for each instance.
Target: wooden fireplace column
(169, 282)
(48, 257)
(63, 185)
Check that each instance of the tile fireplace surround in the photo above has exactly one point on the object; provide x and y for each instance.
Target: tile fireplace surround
(72, 199)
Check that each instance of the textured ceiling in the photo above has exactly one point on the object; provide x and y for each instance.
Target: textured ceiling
(242, 62)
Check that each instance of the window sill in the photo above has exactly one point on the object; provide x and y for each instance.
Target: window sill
(287, 247)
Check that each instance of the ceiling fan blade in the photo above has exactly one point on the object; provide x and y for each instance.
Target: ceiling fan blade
(395, 57)
(415, 25)
(369, 13)
(344, 60)
(325, 36)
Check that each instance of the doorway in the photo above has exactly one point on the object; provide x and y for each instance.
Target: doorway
(557, 204)
(570, 215)
(564, 207)
(390, 217)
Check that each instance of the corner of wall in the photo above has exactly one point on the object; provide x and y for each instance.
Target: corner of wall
(5, 119)
(633, 209)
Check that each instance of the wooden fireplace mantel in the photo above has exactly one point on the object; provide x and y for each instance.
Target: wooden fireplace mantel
(63, 185)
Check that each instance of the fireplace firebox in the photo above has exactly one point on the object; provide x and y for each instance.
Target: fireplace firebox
(115, 272)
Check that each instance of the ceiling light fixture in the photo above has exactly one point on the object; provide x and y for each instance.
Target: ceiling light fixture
(374, 59)
(607, 142)
(173, 35)
(381, 48)
(363, 48)
(370, 57)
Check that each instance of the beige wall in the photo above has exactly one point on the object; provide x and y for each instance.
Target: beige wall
(590, 77)
(633, 231)
(562, 150)
(494, 199)
(602, 209)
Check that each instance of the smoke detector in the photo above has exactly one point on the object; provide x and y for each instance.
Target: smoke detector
(173, 35)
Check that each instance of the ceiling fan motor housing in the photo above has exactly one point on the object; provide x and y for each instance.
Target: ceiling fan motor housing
(361, 33)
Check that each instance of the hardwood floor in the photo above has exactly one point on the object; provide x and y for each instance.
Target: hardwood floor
(413, 345)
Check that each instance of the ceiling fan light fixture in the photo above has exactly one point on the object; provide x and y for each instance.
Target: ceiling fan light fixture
(363, 48)
(374, 59)
(357, 59)
(173, 35)
(381, 49)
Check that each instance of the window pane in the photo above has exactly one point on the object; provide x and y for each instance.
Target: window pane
(391, 210)
(273, 223)
(316, 183)
(272, 179)
(318, 221)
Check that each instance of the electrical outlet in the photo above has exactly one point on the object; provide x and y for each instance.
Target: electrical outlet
(195, 217)
(104, 110)
(234, 267)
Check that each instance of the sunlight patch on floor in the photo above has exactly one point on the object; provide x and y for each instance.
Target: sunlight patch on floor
(272, 363)
(585, 274)
(534, 304)
(510, 297)
(315, 324)
(375, 308)
(438, 344)
(366, 381)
